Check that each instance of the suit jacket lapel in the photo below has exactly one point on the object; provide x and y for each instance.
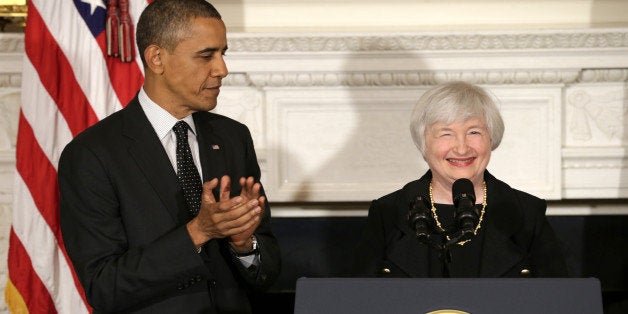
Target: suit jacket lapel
(212, 148)
(147, 151)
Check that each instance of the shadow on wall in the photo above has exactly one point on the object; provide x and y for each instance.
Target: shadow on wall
(349, 143)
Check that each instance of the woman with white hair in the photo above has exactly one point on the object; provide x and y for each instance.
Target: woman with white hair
(458, 220)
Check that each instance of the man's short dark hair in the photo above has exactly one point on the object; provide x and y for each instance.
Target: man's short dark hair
(164, 22)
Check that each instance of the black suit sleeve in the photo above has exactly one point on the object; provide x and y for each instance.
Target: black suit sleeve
(115, 273)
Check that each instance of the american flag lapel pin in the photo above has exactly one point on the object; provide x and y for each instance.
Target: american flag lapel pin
(215, 147)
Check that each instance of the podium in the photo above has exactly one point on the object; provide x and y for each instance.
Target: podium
(448, 295)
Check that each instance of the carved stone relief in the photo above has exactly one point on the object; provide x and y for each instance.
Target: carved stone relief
(10, 80)
(9, 110)
(11, 43)
(597, 115)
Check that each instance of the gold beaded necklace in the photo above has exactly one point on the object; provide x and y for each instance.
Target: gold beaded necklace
(440, 227)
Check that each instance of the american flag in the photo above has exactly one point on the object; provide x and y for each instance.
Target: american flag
(68, 84)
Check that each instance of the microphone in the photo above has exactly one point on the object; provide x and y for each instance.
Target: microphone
(420, 220)
(466, 216)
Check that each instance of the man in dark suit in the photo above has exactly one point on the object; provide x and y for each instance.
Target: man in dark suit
(139, 233)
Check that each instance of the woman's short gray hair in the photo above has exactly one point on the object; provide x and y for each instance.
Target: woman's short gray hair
(455, 102)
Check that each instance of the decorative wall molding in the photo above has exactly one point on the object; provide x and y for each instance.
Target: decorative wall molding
(10, 80)
(594, 158)
(534, 50)
(423, 78)
(9, 112)
(392, 42)
(404, 79)
(12, 53)
(610, 75)
(595, 173)
(411, 59)
(437, 41)
(11, 43)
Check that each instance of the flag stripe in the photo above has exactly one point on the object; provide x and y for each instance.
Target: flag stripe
(32, 290)
(64, 89)
(38, 173)
(47, 258)
(40, 187)
(48, 124)
(68, 85)
(69, 31)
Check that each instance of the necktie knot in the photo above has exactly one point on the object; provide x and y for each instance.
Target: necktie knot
(181, 129)
(188, 175)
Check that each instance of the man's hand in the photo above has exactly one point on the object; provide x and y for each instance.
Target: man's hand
(242, 242)
(236, 218)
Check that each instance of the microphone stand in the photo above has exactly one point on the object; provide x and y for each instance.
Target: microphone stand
(445, 256)
(422, 223)
(441, 247)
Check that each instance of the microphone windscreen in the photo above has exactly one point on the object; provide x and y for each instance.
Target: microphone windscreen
(463, 188)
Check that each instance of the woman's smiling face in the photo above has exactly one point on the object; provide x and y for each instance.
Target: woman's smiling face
(458, 150)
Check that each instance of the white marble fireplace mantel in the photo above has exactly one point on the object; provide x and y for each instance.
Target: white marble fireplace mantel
(329, 111)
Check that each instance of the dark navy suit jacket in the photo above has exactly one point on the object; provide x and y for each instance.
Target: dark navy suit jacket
(123, 219)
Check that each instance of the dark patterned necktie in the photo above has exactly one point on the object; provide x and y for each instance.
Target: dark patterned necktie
(186, 170)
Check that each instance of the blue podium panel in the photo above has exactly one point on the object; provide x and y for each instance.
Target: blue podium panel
(426, 295)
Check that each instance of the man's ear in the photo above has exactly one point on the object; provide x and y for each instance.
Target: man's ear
(153, 57)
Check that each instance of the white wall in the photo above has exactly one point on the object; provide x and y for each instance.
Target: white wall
(418, 15)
